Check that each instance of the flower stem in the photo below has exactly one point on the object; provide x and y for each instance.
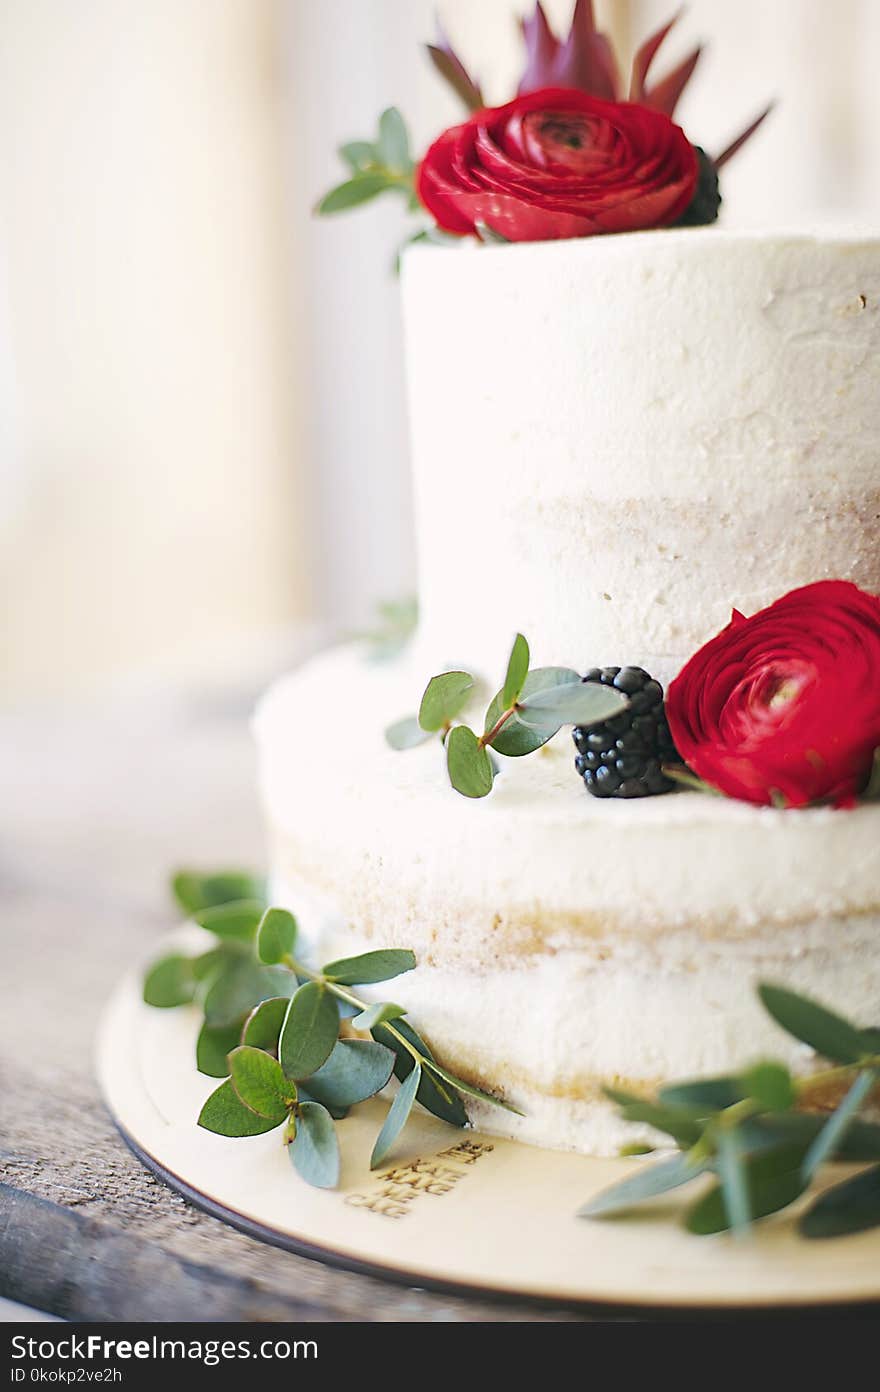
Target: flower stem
(499, 725)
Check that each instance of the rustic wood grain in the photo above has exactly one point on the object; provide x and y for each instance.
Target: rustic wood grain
(96, 810)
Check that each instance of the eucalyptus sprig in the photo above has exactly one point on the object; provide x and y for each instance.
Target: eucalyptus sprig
(382, 165)
(531, 707)
(280, 1032)
(748, 1132)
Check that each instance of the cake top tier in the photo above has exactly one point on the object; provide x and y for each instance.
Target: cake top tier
(618, 439)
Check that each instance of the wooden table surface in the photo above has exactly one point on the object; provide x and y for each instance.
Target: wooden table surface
(97, 806)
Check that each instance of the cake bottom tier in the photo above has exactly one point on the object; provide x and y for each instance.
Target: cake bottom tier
(562, 944)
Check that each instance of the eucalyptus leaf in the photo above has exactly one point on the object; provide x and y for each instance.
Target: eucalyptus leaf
(310, 1030)
(206, 966)
(238, 920)
(570, 703)
(648, 1182)
(377, 1015)
(260, 1083)
(370, 967)
(262, 1028)
(406, 733)
(233, 994)
(359, 155)
(516, 739)
(213, 1047)
(433, 1093)
(276, 935)
(337, 1113)
(356, 1069)
(225, 1114)
(859, 1142)
(771, 1085)
(194, 891)
(355, 191)
(468, 763)
(394, 141)
(850, 1207)
(829, 1034)
(706, 1095)
(517, 671)
(774, 1180)
(471, 1089)
(825, 1145)
(314, 1150)
(683, 1123)
(444, 697)
(398, 1115)
(731, 1170)
(170, 982)
(871, 791)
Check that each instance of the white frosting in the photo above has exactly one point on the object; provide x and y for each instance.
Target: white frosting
(618, 439)
(615, 441)
(628, 935)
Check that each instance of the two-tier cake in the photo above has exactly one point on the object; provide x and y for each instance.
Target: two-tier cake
(616, 441)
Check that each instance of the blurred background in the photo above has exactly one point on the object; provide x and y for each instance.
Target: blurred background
(203, 458)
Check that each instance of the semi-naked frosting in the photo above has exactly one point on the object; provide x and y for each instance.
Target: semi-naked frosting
(562, 942)
(615, 441)
(618, 438)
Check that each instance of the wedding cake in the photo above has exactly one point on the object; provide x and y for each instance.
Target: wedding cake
(615, 442)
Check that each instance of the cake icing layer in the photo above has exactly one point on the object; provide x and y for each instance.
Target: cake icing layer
(630, 934)
(616, 440)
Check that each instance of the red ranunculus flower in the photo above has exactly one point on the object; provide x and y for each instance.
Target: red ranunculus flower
(786, 705)
(559, 163)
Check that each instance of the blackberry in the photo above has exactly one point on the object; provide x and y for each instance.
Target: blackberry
(624, 757)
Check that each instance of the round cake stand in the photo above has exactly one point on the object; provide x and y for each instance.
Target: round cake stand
(451, 1209)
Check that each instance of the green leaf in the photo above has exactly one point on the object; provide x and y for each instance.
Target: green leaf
(377, 1014)
(731, 1168)
(648, 1182)
(683, 1123)
(706, 1095)
(773, 1180)
(369, 967)
(516, 739)
(262, 1028)
(871, 791)
(214, 1047)
(771, 1085)
(394, 141)
(260, 1083)
(310, 1030)
(398, 1115)
(355, 191)
(471, 1089)
(444, 697)
(581, 703)
(859, 1142)
(240, 986)
(237, 920)
(829, 1034)
(314, 1150)
(433, 1093)
(356, 1069)
(194, 891)
(406, 733)
(517, 671)
(207, 965)
(170, 982)
(468, 764)
(825, 1145)
(359, 155)
(225, 1114)
(850, 1207)
(276, 936)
